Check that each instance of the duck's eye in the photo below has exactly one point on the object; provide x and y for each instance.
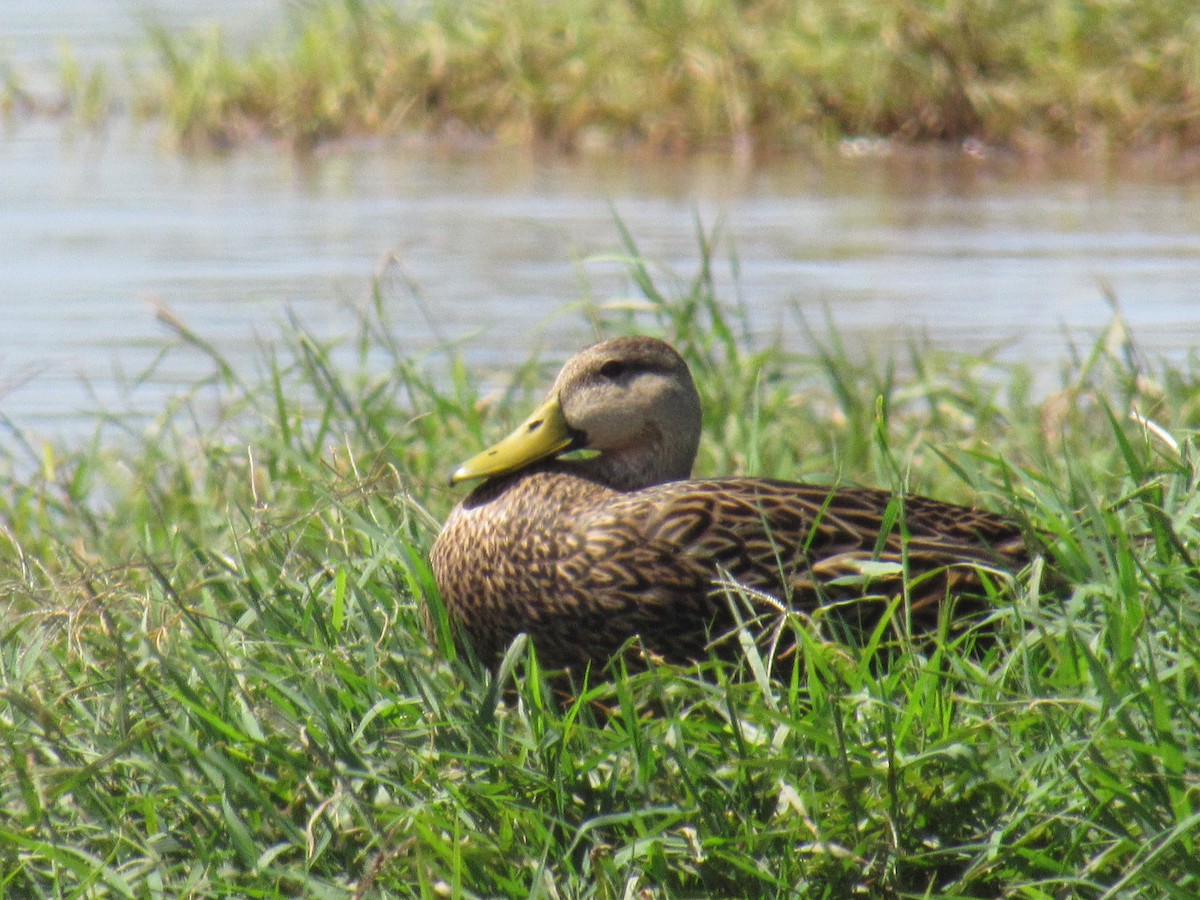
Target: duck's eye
(614, 368)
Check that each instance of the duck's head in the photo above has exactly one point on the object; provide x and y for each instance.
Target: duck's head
(630, 401)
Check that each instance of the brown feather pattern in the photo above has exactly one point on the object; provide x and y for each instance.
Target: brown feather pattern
(553, 550)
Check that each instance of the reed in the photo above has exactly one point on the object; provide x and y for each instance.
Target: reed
(773, 75)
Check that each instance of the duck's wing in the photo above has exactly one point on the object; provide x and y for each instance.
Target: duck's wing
(801, 544)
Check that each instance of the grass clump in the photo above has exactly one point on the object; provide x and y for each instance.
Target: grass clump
(682, 74)
(215, 678)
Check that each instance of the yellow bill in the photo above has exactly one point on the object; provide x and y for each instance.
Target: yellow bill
(545, 433)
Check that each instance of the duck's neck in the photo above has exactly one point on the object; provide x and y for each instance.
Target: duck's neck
(630, 470)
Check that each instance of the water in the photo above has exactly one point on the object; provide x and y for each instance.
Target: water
(97, 229)
(33, 32)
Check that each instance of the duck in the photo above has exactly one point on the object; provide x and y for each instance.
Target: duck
(585, 530)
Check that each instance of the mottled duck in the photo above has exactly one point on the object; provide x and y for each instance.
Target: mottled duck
(583, 552)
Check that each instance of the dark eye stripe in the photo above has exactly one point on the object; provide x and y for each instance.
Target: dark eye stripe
(614, 368)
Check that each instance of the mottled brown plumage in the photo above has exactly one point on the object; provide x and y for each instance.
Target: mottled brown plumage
(581, 554)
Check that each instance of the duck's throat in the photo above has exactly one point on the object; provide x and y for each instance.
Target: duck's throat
(632, 470)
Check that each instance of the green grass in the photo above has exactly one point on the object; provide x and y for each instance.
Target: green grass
(215, 679)
(688, 74)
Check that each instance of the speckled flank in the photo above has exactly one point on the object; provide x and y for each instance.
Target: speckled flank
(554, 550)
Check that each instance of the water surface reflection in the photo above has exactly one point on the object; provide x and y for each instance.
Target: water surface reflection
(95, 229)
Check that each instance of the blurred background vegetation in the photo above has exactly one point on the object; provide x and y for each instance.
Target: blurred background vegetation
(675, 75)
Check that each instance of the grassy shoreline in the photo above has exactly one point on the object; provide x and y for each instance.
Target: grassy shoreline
(215, 680)
(683, 75)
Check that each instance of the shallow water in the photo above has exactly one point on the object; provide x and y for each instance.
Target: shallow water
(98, 228)
(33, 32)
